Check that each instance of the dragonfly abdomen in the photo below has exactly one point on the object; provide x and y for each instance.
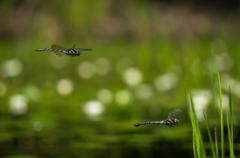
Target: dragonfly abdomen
(49, 49)
(45, 49)
(149, 122)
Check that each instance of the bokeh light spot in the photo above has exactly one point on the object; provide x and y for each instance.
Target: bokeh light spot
(104, 96)
(123, 97)
(18, 104)
(64, 87)
(103, 66)
(85, 70)
(12, 68)
(38, 126)
(133, 77)
(33, 93)
(224, 62)
(144, 91)
(166, 82)
(225, 101)
(93, 109)
(201, 98)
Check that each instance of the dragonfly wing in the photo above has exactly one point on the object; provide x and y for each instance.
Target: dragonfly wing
(174, 113)
(54, 46)
(161, 126)
(59, 53)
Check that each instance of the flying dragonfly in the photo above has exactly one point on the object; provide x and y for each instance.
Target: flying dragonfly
(60, 51)
(170, 121)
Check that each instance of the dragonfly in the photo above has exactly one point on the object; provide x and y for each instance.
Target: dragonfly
(60, 51)
(170, 121)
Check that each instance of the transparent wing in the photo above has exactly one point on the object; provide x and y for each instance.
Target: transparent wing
(174, 113)
(54, 46)
(59, 53)
(161, 126)
(80, 49)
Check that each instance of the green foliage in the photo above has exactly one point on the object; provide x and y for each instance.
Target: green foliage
(230, 126)
(198, 148)
(209, 135)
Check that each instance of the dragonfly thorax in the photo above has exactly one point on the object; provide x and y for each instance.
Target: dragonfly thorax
(171, 121)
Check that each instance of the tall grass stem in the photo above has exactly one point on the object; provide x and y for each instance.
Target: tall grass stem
(221, 116)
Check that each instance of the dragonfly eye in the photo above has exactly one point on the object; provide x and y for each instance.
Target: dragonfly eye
(78, 52)
(176, 121)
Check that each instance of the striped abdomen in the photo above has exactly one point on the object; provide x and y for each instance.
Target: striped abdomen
(49, 49)
(149, 122)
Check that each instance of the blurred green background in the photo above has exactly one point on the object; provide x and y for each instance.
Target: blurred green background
(146, 56)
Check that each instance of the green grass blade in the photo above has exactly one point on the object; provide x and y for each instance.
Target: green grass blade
(221, 114)
(199, 146)
(194, 120)
(202, 145)
(216, 143)
(229, 135)
(209, 135)
(194, 136)
(230, 127)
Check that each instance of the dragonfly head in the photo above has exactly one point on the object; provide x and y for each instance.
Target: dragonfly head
(78, 52)
(176, 121)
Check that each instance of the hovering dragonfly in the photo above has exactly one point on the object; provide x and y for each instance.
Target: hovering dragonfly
(60, 51)
(170, 121)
